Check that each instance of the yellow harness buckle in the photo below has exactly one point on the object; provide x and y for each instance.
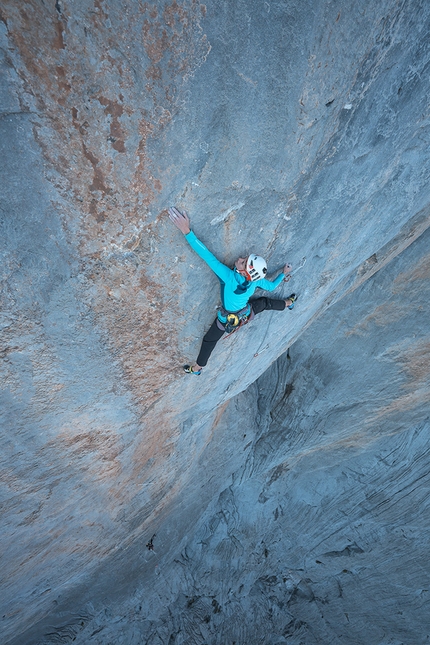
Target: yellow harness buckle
(232, 320)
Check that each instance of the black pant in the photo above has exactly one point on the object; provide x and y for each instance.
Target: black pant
(214, 333)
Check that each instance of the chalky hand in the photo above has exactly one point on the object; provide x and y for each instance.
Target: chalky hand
(180, 220)
(286, 270)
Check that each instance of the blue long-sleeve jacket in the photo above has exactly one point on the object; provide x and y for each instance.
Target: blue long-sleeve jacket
(236, 290)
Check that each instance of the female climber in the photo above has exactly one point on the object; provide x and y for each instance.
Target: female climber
(237, 286)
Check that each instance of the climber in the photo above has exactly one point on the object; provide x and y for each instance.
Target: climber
(237, 286)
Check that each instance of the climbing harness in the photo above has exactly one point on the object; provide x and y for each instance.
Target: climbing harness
(230, 330)
(230, 321)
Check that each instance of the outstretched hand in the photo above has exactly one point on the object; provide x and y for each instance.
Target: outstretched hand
(180, 220)
(287, 268)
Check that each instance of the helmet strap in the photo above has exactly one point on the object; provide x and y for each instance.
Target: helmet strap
(247, 276)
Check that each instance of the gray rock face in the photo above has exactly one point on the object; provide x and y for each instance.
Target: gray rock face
(318, 533)
(287, 508)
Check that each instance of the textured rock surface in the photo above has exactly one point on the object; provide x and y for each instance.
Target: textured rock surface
(298, 128)
(318, 534)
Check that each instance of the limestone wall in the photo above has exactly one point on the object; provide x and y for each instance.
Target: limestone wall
(298, 130)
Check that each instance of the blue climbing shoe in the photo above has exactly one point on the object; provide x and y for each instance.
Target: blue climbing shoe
(189, 370)
(293, 299)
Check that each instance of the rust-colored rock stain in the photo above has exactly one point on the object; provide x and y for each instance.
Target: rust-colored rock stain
(116, 133)
(88, 79)
(413, 275)
(94, 109)
(383, 314)
(413, 358)
(411, 355)
(91, 93)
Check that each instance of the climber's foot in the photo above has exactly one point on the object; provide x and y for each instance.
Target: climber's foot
(289, 303)
(190, 370)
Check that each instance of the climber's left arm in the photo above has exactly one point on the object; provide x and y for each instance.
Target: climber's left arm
(268, 285)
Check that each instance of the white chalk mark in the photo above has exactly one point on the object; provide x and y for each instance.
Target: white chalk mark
(247, 79)
(225, 214)
(301, 265)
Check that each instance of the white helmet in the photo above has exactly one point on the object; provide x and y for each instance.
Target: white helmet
(256, 267)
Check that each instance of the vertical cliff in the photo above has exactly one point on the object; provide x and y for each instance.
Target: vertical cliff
(298, 130)
(318, 531)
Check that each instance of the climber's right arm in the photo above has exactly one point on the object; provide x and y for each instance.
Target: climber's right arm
(182, 222)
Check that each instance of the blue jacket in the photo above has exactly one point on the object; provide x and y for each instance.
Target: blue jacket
(236, 290)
